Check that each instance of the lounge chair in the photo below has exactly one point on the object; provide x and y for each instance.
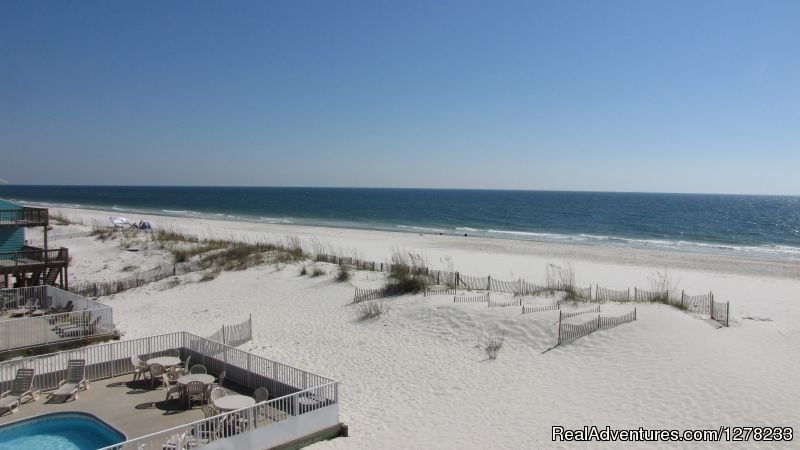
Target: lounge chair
(30, 305)
(76, 378)
(78, 329)
(20, 390)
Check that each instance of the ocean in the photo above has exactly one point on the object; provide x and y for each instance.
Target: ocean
(767, 226)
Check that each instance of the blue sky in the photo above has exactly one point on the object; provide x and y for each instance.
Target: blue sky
(671, 96)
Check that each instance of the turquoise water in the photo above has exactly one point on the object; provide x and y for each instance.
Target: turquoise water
(59, 431)
(766, 226)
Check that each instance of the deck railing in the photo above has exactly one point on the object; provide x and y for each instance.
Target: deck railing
(86, 317)
(25, 216)
(302, 402)
(31, 258)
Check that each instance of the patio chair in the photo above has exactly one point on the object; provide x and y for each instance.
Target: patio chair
(181, 368)
(217, 393)
(219, 382)
(198, 369)
(195, 390)
(260, 395)
(21, 389)
(140, 369)
(76, 378)
(171, 389)
(156, 372)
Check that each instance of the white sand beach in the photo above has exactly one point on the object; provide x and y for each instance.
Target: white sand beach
(414, 377)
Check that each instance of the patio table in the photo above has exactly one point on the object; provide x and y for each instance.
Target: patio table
(233, 402)
(166, 361)
(202, 377)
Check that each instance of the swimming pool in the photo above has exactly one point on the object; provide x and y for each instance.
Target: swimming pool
(59, 431)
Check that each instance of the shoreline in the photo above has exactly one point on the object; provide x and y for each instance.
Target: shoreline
(372, 244)
(765, 251)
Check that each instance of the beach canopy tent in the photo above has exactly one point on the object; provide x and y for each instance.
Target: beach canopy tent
(120, 222)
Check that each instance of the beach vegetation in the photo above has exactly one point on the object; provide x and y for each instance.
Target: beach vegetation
(371, 309)
(408, 274)
(210, 274)
(492, 345)
(317, 271)
(665, 289)
(303, 270)
(343, 273)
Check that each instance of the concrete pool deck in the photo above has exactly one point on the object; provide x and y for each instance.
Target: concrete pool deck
(129, 406)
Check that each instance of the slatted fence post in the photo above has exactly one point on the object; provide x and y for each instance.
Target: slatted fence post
(727, 313)
(458, 279)
(559, 327)
(489, 283)
(635, 294)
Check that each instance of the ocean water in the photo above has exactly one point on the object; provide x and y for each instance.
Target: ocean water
(767, 226)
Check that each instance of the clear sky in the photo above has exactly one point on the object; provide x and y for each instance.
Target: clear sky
(670, 96)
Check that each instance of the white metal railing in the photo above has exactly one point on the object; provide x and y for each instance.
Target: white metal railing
(44, 297)
(85, 317)
(233, 423)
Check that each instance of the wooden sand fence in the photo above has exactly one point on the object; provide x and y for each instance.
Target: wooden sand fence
(527, 309)
(582, 293)
(602, 294)
(508, 287)
(440, 290)
(532, 288)
(508, 302)
(363, 295)
(482, 298)
(158, 273)
(474, 283)
(720, 311)
(567, 315)
(234, 335)
(645, 296)
(568, 332)
(697, 303)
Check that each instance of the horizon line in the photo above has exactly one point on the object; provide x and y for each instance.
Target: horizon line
(394, 188)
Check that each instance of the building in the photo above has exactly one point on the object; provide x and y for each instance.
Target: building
(22, 265)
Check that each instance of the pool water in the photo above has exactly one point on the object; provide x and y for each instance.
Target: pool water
(59, 431)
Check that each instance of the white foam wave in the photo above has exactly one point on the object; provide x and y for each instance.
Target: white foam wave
(409, 227)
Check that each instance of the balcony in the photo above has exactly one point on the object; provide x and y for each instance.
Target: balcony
(25, 217)
(31, 259)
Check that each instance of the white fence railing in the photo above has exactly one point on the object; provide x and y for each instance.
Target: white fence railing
(82, 317)
(295, 392)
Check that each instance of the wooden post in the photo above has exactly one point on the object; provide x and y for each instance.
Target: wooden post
(727, 313)
(489, 283)
(634, 313)
(559, 327)
(635, 294)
